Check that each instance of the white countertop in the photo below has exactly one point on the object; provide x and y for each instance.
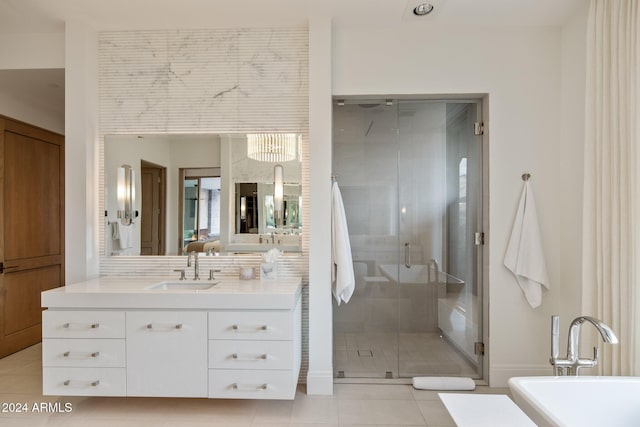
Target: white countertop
(132, 292)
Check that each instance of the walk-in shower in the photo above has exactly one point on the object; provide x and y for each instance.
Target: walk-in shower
(410, 173)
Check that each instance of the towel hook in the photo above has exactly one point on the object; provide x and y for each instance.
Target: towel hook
(526, 176)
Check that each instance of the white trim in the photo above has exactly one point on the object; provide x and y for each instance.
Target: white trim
(320, 383)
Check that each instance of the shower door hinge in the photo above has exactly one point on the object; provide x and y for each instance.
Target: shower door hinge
(479, 238)
(478, 348)
(478, 128)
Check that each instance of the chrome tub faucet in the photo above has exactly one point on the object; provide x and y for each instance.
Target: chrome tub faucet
(572, 362)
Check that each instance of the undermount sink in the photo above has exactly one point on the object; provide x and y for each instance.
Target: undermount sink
(181, 284)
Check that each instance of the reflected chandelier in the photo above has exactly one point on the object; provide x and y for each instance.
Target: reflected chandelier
(272, 147)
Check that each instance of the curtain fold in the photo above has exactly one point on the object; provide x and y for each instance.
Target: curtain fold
(611, 211)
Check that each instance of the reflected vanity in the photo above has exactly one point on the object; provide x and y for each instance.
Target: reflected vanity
(205, 193)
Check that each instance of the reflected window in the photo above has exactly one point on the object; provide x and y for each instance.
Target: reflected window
(201, 205)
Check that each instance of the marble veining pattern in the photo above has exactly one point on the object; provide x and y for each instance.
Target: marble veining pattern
(204, 80)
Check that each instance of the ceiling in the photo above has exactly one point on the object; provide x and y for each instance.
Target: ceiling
(45, 88)
(46, 16)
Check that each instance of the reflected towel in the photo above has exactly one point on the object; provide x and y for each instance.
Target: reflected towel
(525, 257)
(342, 277)
(115, 231)
(126, 236)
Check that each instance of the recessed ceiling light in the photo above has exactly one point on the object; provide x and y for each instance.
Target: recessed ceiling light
(423, 9)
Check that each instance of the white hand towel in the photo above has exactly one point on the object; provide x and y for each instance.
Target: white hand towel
(126, 236)
(342, 277)
(525, 257)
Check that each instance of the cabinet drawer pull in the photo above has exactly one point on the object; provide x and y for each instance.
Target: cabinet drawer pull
(235, 356)
(249, 387)
(176, 326)
(90, 326)
(95, 383)
(92, 354)
(237, 328)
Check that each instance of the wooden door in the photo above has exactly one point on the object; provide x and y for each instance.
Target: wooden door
(152, 218)
(31, 228)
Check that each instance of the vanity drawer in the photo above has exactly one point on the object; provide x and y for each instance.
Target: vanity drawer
(106, 353)
(235, 354)
(251, 325)
(84, 381)
(252, 384)
(82, 324)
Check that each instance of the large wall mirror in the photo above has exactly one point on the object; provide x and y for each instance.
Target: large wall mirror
(213, 193)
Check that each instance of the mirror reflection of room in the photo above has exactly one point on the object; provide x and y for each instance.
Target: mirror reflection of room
(267, 180)
(201, 210)
(158, 229)
(204, 193)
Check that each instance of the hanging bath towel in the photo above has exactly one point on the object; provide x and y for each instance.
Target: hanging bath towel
(342, 277)
(524, 256)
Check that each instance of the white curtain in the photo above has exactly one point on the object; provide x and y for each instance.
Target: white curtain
(611, 256)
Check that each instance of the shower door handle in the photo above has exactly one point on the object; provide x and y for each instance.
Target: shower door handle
(407, 255)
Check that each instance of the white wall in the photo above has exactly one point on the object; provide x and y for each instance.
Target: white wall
(320, 375)
(27, 52)
(521, 71)
(31, 51)
(82, 192)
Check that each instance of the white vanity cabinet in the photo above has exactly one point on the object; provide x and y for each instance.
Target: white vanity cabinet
(167, 353)
(83, 353)
(113, 337)
(254, 354)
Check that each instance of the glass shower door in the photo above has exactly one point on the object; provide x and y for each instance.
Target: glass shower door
(439, 297)
(365, 152)
(410, 176)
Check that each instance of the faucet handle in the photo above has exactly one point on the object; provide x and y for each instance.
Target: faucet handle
(596, 355)
(211, 273)
(183, 275)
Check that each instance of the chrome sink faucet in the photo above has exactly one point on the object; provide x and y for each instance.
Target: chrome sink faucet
(196, 273)
(572, 363)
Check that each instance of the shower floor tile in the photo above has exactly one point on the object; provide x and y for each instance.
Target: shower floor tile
(371, 355)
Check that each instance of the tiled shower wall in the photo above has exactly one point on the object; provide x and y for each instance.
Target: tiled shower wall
(206, 81)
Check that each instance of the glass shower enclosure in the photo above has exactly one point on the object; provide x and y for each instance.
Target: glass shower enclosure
(410, 173)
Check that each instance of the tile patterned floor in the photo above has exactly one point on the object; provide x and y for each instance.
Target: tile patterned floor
(351, 405)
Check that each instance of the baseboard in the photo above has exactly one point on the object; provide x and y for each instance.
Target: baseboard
(320, 383)
(500, 374)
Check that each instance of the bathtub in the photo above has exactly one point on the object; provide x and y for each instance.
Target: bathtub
(579, 401)
(416, 275)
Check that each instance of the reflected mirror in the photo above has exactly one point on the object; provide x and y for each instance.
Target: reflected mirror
(256, 211)
(202, 193)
